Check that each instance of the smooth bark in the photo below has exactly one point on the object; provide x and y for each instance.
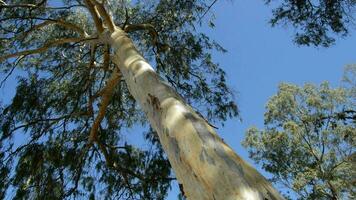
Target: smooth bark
(206, 167)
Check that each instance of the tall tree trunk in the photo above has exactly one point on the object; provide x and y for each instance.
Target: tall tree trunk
(206, 167)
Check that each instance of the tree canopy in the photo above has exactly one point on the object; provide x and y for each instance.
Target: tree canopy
(308, 143)
(317, 22)
(66, 91)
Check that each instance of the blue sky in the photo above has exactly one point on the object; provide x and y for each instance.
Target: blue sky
(260, 57)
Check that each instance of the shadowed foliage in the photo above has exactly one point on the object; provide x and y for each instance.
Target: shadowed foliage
(316, 22)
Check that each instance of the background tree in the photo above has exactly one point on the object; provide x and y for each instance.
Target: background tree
(316, 22)
(308, 143)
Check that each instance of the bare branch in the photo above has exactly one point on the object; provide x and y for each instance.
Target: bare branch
(207, 10)
(127, 18)
(12, 70)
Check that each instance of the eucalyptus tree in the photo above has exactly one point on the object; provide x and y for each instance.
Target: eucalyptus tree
(308, 143)
(82, 83)
(317, 22)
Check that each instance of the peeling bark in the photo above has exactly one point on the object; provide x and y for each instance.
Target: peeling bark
(206, 167)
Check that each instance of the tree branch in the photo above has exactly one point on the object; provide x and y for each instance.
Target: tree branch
(24, 5)
(106, 57)
(28, 5)
(137, 27)
(59, 22)
(11, 70)
(4, 5)
(207, 10)
(106, 94)
(151, 30)
(95, 15)
(118, 168)
(45, 47)
(103, 13)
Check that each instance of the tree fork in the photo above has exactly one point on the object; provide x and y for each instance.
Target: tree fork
(205, 166)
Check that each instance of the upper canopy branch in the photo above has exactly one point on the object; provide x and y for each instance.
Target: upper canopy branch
(25, 5)
(137, 27)
(95, 15)
(45, 22)
(45, 47)
(61, 23)
(30, 6)
(4, 5)
(151, 30)
(104, 14)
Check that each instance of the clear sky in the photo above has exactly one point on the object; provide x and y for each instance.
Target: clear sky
(260, 57)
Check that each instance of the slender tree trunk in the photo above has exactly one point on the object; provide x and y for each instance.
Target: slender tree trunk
(206, 167)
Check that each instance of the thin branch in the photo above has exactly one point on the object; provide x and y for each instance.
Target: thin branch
(35, 137)
(45, 47)
(118, 168)
(12, 70)
(91, 64)
(207, 10)
(78, 175)
(106, 57)
(149, 27)
(59, 22)
(37, 121)
(127, 18)
(27, 5)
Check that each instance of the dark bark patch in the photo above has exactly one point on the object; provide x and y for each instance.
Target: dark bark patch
(154, 101)
(271, 196)
(166, 131)
(174, 147)
(182, 190)
(199, 127)
(208, 138)
(205, 157)
(229, 162)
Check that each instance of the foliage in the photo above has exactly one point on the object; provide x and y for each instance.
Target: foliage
(308, 143)
(63, 68)
(317, 22)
